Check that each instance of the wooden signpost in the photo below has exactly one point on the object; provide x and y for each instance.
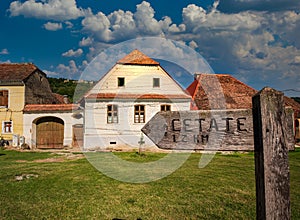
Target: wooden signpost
(225, 130)
(271, 156)
(199, 130)
(233, 130)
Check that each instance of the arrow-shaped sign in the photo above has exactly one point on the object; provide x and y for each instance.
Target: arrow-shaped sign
(202, 130)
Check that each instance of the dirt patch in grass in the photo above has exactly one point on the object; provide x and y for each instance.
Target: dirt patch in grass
(58, 158)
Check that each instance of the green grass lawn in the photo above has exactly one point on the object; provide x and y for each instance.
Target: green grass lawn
(74, 189)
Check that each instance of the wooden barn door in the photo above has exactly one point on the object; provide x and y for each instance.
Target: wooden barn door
(49, 133)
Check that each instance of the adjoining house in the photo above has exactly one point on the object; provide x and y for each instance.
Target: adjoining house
(223, 91)
(52, 126)
(27, 105)
(125, 98)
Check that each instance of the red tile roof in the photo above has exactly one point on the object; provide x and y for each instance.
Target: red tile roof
(222, 91)
(138, 58)
(40, 108)
(16, 72)
(135, 96)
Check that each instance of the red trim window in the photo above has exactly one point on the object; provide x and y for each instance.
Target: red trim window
(7, 127)
(139, 114)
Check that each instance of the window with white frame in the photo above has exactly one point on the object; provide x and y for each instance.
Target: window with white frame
(7, 127)
(139, 114)
(112, 114)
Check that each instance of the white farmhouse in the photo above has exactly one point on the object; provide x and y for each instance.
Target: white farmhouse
(125, 98)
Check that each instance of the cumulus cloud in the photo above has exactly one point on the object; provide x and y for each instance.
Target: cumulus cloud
(69, 24)
(145, 21)
(196, 19)
(244, 37)
(4, 51)
(236, 6)
(122, 24)
(47, 9)
(86, 41)
(72, 53)
(50, 26)
(70, 69)
(98, 25)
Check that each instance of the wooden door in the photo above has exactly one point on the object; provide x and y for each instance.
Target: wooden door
(50, 133)
(77, 136)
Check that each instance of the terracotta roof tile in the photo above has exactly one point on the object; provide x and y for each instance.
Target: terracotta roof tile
(138, 58)
(135, 96)
(15, 72)
(39, 108)
(220, 91)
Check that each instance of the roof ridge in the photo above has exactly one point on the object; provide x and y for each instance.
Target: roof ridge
(136, 57)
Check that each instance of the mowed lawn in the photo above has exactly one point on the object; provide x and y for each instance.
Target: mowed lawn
(57, 186)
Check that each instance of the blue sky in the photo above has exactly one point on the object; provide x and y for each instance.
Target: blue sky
(257, 41)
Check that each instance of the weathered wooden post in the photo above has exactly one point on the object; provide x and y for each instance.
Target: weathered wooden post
(271, 156)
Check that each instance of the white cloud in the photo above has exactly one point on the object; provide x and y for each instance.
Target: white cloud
(70, 69)
(196, 19)
(50, 26)
(86, 42)
(47, 9)
(122, 24)
(51, 73)
(98, 25)
(69, 24)
(72, 53)
(4, 51)
(145, 21)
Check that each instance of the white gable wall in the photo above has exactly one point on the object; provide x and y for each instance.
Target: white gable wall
(100, 135)
(138, 79)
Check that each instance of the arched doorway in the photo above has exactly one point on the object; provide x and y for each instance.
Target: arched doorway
(49, 133)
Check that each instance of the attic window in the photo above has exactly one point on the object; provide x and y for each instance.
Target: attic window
(121, 81)
(4, 98)
(165, 108)
(156, 82)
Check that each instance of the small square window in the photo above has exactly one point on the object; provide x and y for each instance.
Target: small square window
(165, 108)
(7, 127)
(121, 81)
(156, 82)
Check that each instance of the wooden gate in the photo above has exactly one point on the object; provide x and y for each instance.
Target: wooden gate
(49, 133)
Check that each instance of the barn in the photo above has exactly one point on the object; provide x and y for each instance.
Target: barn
(29, 109)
